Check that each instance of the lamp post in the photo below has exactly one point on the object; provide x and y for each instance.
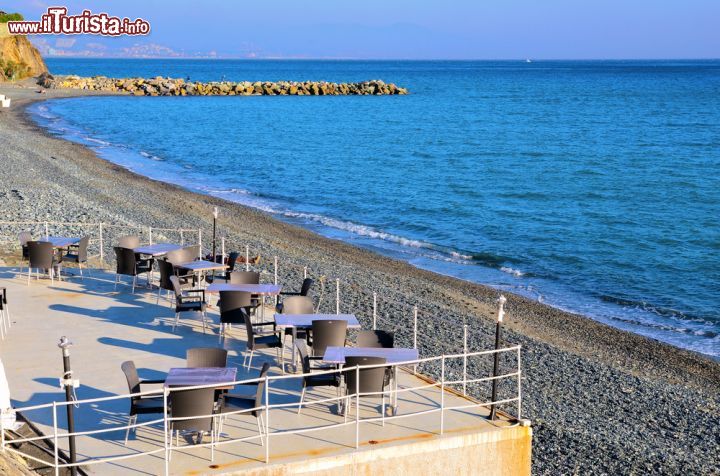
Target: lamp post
(67, 382)
(215, 217)
(498, 335)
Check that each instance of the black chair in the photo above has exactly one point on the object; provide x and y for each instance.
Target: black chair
(190, 300)
(139, 405)
(269, 341)
(328, 333)
(166, 270)
(234, 306)
(304, 291)
(378, 338)
(127, 264)
(78, 254)
(129, 241)
(322, 380)
(24, 237)
(297, 305)
(199, 357)
(247, 277)
(235, 404)
(232, 260)
(369, 384)
(196, 407)
(41, 256)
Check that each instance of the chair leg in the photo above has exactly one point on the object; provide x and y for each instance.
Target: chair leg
(81, 273)
(157, 302)
(131, 421)
(249, 364)
(177, 317)
(203, 321)
(383, 410)
(29, 273)
(302, 397)
(117, 278)
(133, 285)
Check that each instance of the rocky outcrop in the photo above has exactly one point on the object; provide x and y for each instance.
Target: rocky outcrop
(160, 86)
(18, 56)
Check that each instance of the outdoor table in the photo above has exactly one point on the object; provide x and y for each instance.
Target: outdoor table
(304, 321)
(200, 267)
(61, 241)
(158, 249)
(336, 355)
(190, 377)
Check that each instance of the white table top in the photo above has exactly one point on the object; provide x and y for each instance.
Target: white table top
(186, 377)
(266, 289)
(61, 241)
(158, 249)
(304, 321)
(336, 355)
(202, 265)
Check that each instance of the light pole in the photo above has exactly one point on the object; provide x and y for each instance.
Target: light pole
(67, 382)
(498, 335)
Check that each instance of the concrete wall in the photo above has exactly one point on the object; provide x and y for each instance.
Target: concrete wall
(506, 452)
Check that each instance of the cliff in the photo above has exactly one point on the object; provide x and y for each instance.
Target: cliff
(18, 57)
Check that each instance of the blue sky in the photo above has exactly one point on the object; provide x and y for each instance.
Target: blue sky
(390, 29)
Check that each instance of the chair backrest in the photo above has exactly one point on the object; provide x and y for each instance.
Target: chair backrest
(306, 286)
(40, 254)
(125, 261)
(131, 375)
(298, 305)
(24, 237)
(244, 277)
(328, 333)
(206, 357)
(376, 339)
(301, 347)
(129, 241)
(233, 306)
(191, 253)
(175, 257)
(166, 271)
(197, 403)
(82, 248)
(370, 380)
(232, 259)
(175, 283)
(260, 392)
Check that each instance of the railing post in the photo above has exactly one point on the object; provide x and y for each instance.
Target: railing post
(182, 237)
(415, 316)
(222, 252)
(304, 272)
(357, 406)
(337, 296)
(247, 258)
(519, 404)
(150, 235)
(442, 395)
(102, 253)
(165, 430)
(47, 231)
(200, 242)
(267, 419)
(55, 439)
(275, 271)
(374, 310)
(465, 350)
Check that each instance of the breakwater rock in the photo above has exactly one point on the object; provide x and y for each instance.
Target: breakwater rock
(160, 86)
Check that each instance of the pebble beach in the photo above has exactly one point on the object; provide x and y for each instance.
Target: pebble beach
(600, 400)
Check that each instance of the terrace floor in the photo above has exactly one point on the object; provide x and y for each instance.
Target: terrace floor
(109, 327)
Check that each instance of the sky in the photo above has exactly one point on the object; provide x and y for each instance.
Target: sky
(398, 29)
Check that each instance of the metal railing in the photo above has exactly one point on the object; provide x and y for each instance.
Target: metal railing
(445, 384)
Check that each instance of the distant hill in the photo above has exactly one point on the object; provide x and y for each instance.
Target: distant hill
(18, 57)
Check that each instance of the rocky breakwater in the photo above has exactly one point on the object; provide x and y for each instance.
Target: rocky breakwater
(160, 86)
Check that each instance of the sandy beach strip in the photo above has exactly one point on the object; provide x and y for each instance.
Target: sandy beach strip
(601, 400)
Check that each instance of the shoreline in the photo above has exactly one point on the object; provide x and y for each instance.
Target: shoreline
(566, 355)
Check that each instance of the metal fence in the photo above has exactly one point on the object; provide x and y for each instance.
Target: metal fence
(444, 385)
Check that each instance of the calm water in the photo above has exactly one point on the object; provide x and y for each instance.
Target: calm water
(592, 186)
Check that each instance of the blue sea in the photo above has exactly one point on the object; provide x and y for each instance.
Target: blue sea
(592, 186)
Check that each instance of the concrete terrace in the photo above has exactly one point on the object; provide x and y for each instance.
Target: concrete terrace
(109, 327)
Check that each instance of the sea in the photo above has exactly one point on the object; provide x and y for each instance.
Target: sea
(592, 186)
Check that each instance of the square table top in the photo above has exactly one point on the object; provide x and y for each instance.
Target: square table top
(158, 249)
(304, 321)
(264, 289)
(187, 377)
(202, 265)
(61, 241)
(336, 355)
